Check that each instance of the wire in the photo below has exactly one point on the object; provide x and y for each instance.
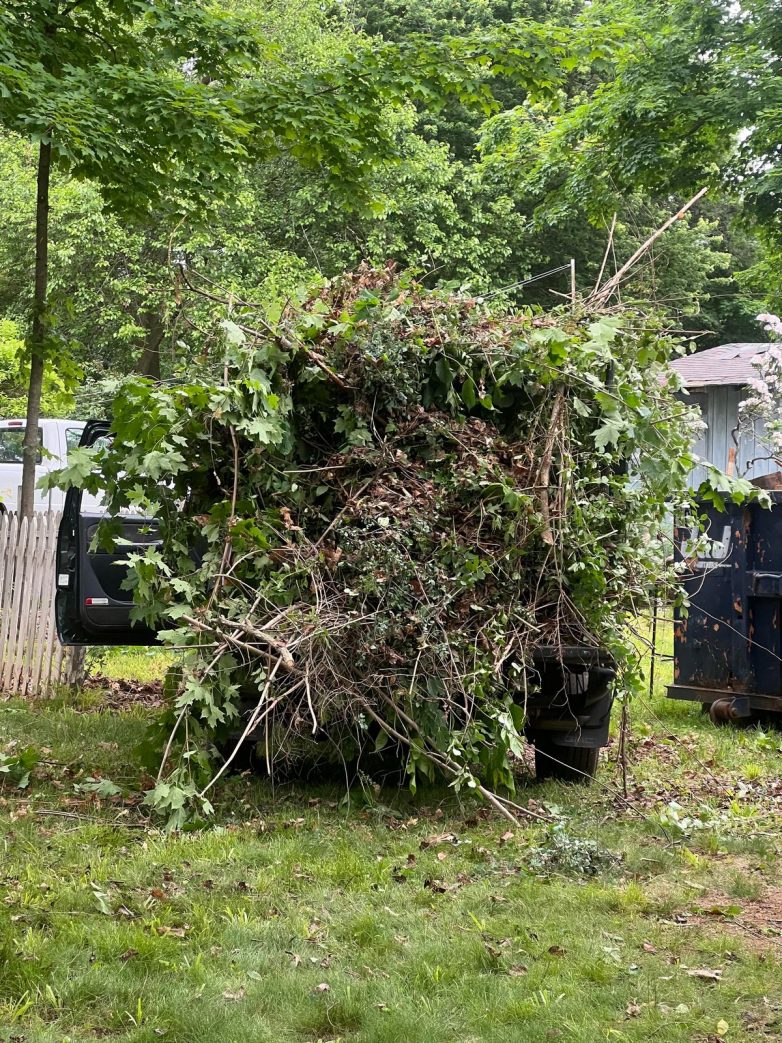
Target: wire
(526, 282)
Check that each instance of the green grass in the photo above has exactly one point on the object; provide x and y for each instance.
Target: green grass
(132, 664)
(112, 929)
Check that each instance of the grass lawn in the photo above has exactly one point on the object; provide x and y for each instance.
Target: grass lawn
(301, 917)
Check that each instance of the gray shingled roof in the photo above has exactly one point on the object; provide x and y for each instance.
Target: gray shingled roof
(727, 364)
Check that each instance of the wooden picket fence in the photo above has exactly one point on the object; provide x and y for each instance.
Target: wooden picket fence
(32, 660)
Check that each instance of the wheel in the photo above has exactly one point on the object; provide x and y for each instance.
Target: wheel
(719, 712)
(725, 712)
(567, 763)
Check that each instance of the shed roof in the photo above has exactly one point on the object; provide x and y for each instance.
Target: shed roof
(725, 365)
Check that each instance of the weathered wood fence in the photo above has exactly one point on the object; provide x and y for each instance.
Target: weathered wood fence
(32, 660)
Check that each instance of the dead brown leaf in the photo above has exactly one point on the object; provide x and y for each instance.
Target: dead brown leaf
(171, 932)
(705, 973)
(438, 838)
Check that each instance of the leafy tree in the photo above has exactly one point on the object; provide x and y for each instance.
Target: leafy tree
(455, 124)
(693, 99)
(56, 400)
(504, 185)
(157, 103)
(117, 101)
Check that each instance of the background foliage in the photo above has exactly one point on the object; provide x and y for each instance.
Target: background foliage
(485, 200)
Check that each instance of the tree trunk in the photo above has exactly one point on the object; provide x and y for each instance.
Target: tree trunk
(38, 334)
(155, 331)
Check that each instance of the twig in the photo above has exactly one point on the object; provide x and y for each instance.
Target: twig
(287, 344)
(254, 719)
(602, 296)
(573, 282)
(544, 474)
(623, 730)
(609, 247)
(313, 356)
(338, 518)
(263, 635)
(285, 657)
(309, 703)
(444, 762)
(170, 742)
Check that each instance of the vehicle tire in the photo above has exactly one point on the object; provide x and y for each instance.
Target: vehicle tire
(566, 763)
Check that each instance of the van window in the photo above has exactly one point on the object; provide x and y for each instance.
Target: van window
(72, 438)
(11, 440)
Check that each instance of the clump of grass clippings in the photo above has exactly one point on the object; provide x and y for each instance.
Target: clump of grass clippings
(563, 853)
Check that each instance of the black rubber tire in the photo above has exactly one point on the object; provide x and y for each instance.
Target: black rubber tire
(566, 763)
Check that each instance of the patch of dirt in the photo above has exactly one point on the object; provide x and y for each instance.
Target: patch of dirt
(704, 781)
(123, 694)
(758, 923)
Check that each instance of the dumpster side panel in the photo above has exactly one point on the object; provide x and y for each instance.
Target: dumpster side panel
(728, 642)
(764, 596)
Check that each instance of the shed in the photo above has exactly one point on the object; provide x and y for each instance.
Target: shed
(716, 381)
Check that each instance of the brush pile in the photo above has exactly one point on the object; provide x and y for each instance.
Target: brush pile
(376, 507)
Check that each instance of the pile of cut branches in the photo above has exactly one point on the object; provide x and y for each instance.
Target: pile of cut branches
(376, 507)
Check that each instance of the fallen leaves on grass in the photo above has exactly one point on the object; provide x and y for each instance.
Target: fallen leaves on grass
(123, 693)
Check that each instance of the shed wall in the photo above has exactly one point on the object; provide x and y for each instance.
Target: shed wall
(720, 411)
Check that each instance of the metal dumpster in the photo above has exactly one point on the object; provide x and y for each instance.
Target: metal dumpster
(728, 647)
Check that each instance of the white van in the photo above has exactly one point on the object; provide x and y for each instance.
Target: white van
(57, 438)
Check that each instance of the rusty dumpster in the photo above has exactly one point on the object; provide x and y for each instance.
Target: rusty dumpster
(728, 644)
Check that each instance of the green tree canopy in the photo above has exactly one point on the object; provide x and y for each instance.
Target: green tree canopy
(162, 103)
(693, 99)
